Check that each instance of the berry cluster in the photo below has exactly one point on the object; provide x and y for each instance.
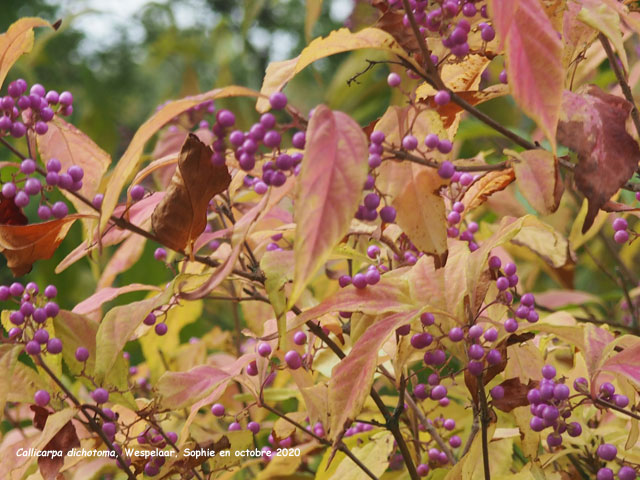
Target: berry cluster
(551, 407)
(508, 279)
(21, 112)
(27, 183)
(621, 229)
(30, 319)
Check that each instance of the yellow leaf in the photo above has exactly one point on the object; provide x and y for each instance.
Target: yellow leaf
(338, 41)
(314, 8)
(539, 180)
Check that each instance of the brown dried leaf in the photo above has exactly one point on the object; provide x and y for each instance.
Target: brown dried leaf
(515, 394)
(10, 214)
(592, 123)
(181, 216)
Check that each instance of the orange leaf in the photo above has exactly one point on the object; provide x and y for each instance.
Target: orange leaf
(130, 160)
(17, 41)
(181, 216)
(23, 245)
(328, 190)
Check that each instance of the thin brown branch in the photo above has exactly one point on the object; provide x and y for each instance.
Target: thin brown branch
(92, 423)
(341, 446)
(484, 425)
(431, 429)
(624, 85)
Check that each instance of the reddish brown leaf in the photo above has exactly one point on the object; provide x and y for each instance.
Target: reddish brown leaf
(515, 394)
(181, 216)
(64, 440)
(23, 245)
(592, 124)
(10, 214)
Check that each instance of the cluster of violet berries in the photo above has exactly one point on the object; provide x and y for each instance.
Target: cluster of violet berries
(621, 229)
(370, 207)
(21, 111)
(27, 183)
(508, 279)
(551, 407)
(30, 319)
(441, 18)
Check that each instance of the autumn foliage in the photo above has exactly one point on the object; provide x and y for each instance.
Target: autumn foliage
(435, 293)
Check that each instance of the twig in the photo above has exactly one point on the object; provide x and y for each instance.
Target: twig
(430, 163)
(341, 446)
(431, 429)
(475, 427)
(94, 426)
(484, 424)
(626, 90)
(392, 426)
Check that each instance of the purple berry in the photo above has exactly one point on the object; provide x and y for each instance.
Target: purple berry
(626, 473)
(604, 474)
(161, 328)
(446, 170)
(218, 409)
(421, 340)
(59, 209)
(359, 280)
(456, 334)
(42, 398)
(32, 347)
(422, 469)
(621, 236)
(388, 214)
(299, 338)
(427, 319)
(372, 276)
(548, 372)
(475, 368)
(431, 140)
(136, 192)
(574, 429)
(444, 146)
(278, 100)
(293, 359)
(100, 395)
(253, 427)
(497, 392)
(9, 190)
(28, 166)
(82, 354)
(438, 392)
(21, 199)
(494, 357)
(443, 97)
(607, 451)
(455, 441)
(264, 349)
(409, 142)
(393, 79)
(65, 99)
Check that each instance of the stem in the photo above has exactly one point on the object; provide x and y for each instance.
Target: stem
(341, 446)
(626, 90)
(430, 428)
(613, 406)
(460, 168)
(484, 423)
(392, 426)
(475, 427)
(94, 426)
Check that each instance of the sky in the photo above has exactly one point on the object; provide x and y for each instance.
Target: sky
(99, 18)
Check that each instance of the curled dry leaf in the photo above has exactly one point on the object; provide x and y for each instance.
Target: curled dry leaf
(490, 183)
(23, 245)
(181, 216)
(515, 394)
(592, 124)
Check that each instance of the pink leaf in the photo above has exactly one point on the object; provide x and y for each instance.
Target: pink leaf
(180, 389)
(352, 378)
(534, 61)
(627, 363)
(95, 301)
(593, 124)
(73, 147)
(539, 180)
(329, 187)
